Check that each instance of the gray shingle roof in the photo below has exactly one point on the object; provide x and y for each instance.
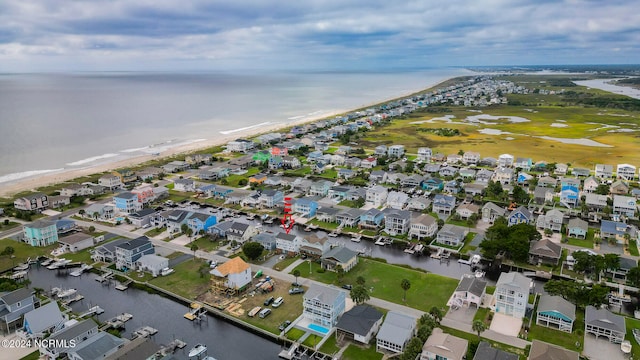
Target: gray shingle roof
(543, 351)
(397, 328)
(557, 303)
(324, 294)
(75, 330)
(135, 243)
(546, 248)
(472, 284)
(16, 295)
(486, 352)
(604, 319)
(43, 317)
(340, 253)
(359, 320)
(97, 346)
(514, 279)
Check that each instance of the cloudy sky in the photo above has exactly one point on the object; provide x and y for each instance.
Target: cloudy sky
(43, 35)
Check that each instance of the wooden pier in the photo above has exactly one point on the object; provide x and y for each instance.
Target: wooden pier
(171, 347)
(123, 286)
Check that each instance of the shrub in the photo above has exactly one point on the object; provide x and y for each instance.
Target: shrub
(321, 270)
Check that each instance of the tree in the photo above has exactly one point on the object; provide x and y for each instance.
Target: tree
(612, 261)
(436, 313)
(424, 332)
(633, 277)
(81, 212)
(92, 229)
(360, 280)
(296, 273)
(359, 294)
(340, 273)
(405, 285)
(478, 326)
(95, 215)
(194, 247)
(602, 189)
(184, 228)
(520, 196)
(252, 250)
(8, 250)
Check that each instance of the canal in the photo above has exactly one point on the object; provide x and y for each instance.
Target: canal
(223, 339)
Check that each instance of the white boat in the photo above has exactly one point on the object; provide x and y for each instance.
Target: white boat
(636, 335)
(475, 259)
(197, 350)
(333, 234)
(21, 267)
(625, 346)
(66, 293)
(479, 274)
(356, 238)
(208, 358)
(46, 262)
(18, 275)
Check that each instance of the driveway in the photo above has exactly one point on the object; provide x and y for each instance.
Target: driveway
(506, 325)
(463, 315)
(601, 349)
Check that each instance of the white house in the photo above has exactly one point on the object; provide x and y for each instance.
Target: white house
(377, 195)
(234, 274)
(423, 226)
(287, 243)
(152, 263)
(604, 171)
(323, 305)
(626, 172)
(470, 290)
(396, 331)
(424, 154)
(505, 160)
(512, 294)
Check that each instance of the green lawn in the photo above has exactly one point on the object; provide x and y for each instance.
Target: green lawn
(633, 248)
(185, 281)
(10, 225)
(330, 346)
(284, 263)
(474, 337)
(354, 352)
(205, 244)
(586, 243)
(560, 338)
(633, 324)
(295, 334)
(427, 290)
(154, 232)
(483, 315)
(22, 253)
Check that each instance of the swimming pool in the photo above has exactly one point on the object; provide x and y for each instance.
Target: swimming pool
(318, 328)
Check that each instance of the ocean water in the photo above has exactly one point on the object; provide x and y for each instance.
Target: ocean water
(58, 122)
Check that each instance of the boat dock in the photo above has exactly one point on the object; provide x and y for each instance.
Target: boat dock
(144, 332)
(289, 353)
(70, 300)
(123, 286)
(94, 310)
(117, 322)
(196, 312)
(171, 347)
(104, 278)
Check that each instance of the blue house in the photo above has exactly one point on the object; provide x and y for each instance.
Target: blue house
(521, 215)
(200, 221)
(371, 219)
(306, 206)
(267, 240)
(127, 253)
(431, 184)
(127, 202)
(613, 230)
(40, 233)
(569, 195)
(12, 306)
(65, 225)
(222, 192)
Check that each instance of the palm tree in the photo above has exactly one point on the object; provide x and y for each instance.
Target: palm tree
(340, 273)
(95, 215)
(405, 285)
(194, 247)
(478, 326)
(81, 212)
(436, 313)
(359, 294)
(296, 273)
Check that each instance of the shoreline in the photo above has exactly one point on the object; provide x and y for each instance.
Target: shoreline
(11, 188)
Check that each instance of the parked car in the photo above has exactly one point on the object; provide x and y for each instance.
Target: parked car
(278, 302)
(269, 301)
(347, 286)
(296, 290)
(264, 313)
(284, 325)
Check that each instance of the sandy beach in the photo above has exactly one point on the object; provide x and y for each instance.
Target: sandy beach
(9, 189)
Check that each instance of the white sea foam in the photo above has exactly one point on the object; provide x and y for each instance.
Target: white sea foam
(134, 149)
(26, 174)
(227, 132)
(622, 130)
(559, 125)
(91, 159)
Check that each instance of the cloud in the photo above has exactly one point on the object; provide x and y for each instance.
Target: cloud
(99, 34)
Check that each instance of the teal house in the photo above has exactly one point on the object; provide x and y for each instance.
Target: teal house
(40, 233)
(556, 313)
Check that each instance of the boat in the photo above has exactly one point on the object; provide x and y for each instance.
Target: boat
(18, 275)
(47, 262)
(356, 238)
(479, 274)
(636, 335)
(197, 350)
(625, 346)
(21, 267)
(475, 259)
(208, 358)
(333, 234)
(307, 229)
(66, 293)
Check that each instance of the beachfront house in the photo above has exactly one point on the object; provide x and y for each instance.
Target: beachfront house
(184, 185)
(110, 181)
(13, 305)
(314, 245)
(35, 202)
(442, 346)
(240, 145)
(323, 305)
(544, 251)
(234, 275)
(556, 313)
(127, 253)
(359, 324)
(512, 294)
(577, 228)
(395, 332)
(505, 160)
(613, 230)
(40, 233)
(306, 207)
